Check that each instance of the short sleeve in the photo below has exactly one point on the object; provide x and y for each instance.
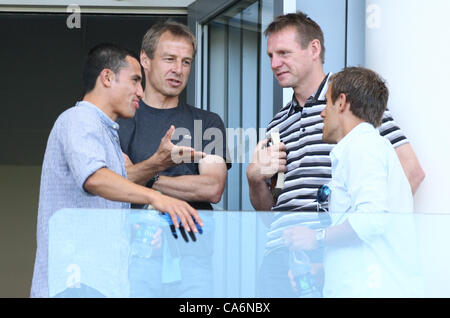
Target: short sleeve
(391, 131)
(81, 137)
(215, 138)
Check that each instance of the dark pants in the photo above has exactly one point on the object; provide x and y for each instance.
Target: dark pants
(273, 280)
(146, 278)
(192, 275)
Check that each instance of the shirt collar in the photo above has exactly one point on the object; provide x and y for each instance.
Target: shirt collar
(318, 96)
(108, 122)
(322, 90)
(341, 146)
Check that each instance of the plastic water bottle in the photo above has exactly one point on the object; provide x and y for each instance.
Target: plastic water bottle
(140, 245)
(300, 266)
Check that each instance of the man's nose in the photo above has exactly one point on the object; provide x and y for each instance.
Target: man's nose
(177, 66)
(275, 62)
(322, 113)
(140, 91)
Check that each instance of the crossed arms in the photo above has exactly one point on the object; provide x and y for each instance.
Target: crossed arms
(207, 186)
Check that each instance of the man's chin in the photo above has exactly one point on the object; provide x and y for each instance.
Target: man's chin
(285, 84)
(174, 91)
(328, 140)
(129, 114)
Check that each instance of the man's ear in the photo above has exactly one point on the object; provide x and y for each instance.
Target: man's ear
(145, 60)
(343, 104)
(316, 48)
(106, 77)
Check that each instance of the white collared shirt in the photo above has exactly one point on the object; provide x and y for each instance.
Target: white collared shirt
(368, 182)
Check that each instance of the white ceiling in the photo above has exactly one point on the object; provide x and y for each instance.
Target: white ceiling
(101, 3)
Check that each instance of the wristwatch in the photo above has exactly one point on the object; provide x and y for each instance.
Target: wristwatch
(154, 179)
(320, 237)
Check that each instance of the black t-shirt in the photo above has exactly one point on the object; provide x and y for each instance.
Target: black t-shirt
(141, 135)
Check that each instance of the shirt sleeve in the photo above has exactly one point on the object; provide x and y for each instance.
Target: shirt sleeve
(391, 131)
(215, 138)
(82, 142)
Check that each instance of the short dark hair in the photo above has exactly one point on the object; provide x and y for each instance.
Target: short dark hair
(364, 89)
(103, 56)
(152, 36)
(307, 29)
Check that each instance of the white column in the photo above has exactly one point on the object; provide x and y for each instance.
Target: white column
(407, 42)
(289, 6)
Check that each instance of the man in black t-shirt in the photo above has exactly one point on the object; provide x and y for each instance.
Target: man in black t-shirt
(168, 50)
(176, 149)
(145, 139)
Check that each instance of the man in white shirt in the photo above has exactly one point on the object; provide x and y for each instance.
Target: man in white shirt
(368, 252)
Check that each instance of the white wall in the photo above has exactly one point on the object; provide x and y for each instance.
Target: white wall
(407, 42)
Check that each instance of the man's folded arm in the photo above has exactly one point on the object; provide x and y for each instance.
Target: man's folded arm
(207, 186)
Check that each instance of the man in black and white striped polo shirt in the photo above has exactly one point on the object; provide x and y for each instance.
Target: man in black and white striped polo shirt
(295, 46)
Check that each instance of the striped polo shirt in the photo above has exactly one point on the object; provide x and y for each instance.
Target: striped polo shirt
(308, 160)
